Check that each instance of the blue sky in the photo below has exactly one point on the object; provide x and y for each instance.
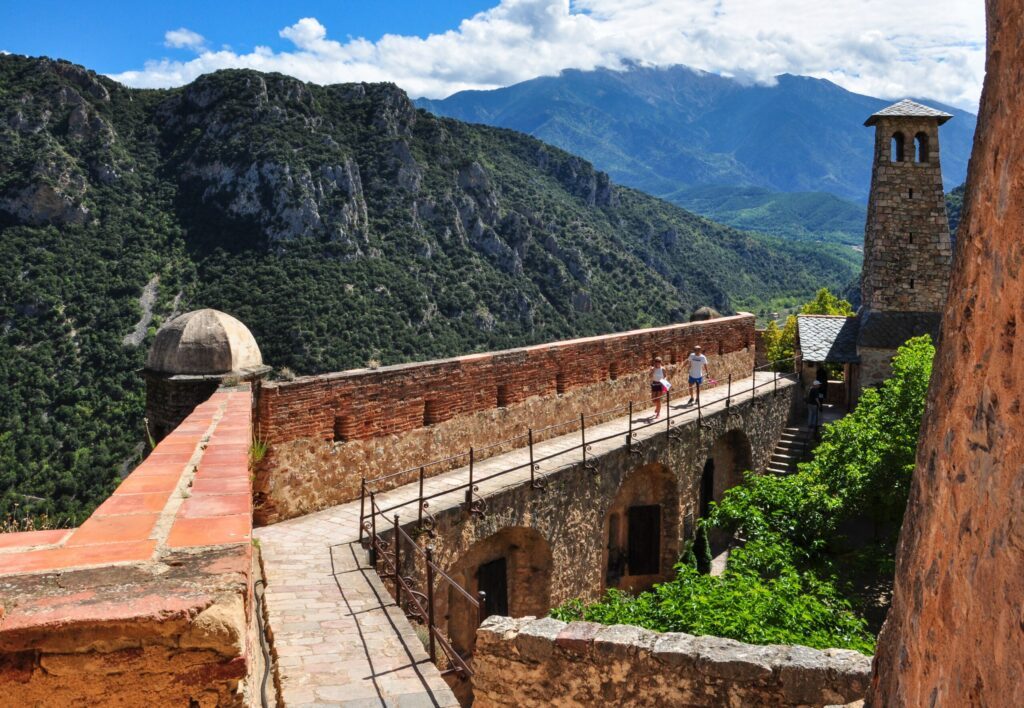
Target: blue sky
(886, 48)
(113, 36)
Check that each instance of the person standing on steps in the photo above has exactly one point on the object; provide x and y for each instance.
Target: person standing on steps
(657, 387)
(814, 399)
(698, 369)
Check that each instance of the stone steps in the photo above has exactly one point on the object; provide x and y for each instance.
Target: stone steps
(792, 448)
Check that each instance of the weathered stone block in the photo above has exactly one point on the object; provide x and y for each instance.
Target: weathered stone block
(578, 637)
(535, 640)
(718, 657)
(676, 650)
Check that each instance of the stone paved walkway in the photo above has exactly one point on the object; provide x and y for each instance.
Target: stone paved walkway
(338, 636)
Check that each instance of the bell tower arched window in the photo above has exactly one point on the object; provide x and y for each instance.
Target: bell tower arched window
(896, 148)
(921, 147)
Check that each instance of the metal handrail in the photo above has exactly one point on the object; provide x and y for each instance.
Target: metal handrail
(533, 465)
(422, 604)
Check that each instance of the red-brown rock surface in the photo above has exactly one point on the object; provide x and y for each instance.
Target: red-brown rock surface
(955, 634)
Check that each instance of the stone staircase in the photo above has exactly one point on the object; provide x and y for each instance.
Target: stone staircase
(792, 448)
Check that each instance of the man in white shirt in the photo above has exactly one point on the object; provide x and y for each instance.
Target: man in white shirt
(698, 369)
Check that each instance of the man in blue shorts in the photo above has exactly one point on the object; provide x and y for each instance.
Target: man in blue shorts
(698, 369)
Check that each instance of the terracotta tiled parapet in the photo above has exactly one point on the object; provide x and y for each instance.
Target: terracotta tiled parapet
(156, 583)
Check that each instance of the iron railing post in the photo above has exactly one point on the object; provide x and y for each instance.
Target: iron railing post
(419, 523)
(700, 414)
(429, 552)
(481, 597)
(373, 530)
(668, 411)
(583, 439)
(629, 431)
(776, 379)
(728, 392)
(398, 563)
(469, 489)
(362, 510)
(529, 438)
(753, 384)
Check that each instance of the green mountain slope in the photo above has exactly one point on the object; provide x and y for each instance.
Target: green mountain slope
(338, 222)
(801, 216)
(664, 129)
(955, 205)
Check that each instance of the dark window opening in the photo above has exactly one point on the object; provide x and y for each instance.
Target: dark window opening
(707, 487)
(644, 540)
(502, 395)
(429, 412)
(559, 383)
(613, 371)
(911, 283)
(896, 148)
(911, 238)
(910, 194)
(921, 147)
(492, 579)
(342, 429)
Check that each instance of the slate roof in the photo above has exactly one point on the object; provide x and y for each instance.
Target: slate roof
(908, 109)
(888, 330)
(828, 338)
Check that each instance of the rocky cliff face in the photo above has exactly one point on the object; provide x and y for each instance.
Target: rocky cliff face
(955, 633)
(340, 223)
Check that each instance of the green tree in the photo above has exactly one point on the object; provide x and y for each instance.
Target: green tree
(825, 303)
(702, 550)
(780, 343)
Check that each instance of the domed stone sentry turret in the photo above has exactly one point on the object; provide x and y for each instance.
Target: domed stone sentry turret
(702, 314)
(192, 356)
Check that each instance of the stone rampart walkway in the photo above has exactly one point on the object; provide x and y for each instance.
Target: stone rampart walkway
(339, 638)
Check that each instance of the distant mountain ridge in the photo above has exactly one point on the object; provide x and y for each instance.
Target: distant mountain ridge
(666, 129)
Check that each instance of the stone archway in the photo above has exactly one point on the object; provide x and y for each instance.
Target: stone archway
(513, 566)
(641, 529)
(731, 455)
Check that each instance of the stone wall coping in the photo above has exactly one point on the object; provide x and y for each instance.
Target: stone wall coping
(802, 674)
(273, 386)
(191, 494)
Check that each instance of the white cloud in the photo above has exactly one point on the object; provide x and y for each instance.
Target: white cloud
(888, 48)
(183, 38)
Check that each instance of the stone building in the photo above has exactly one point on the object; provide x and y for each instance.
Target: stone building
(193, 355)
(907, 249)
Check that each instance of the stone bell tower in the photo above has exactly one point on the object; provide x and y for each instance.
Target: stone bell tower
(907, 251)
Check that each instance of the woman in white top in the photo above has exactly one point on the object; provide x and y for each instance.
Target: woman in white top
(657, 389)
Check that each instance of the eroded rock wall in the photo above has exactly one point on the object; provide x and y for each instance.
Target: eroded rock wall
(955, 633)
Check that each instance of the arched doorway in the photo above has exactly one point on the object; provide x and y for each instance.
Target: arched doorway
(707, 487)
(641, 529)
(730, 457)
(513, 568)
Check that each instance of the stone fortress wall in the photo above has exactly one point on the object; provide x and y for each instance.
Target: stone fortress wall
(529, 662)
(328, 432)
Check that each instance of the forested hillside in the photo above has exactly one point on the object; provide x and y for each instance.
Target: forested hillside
(338, 222)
